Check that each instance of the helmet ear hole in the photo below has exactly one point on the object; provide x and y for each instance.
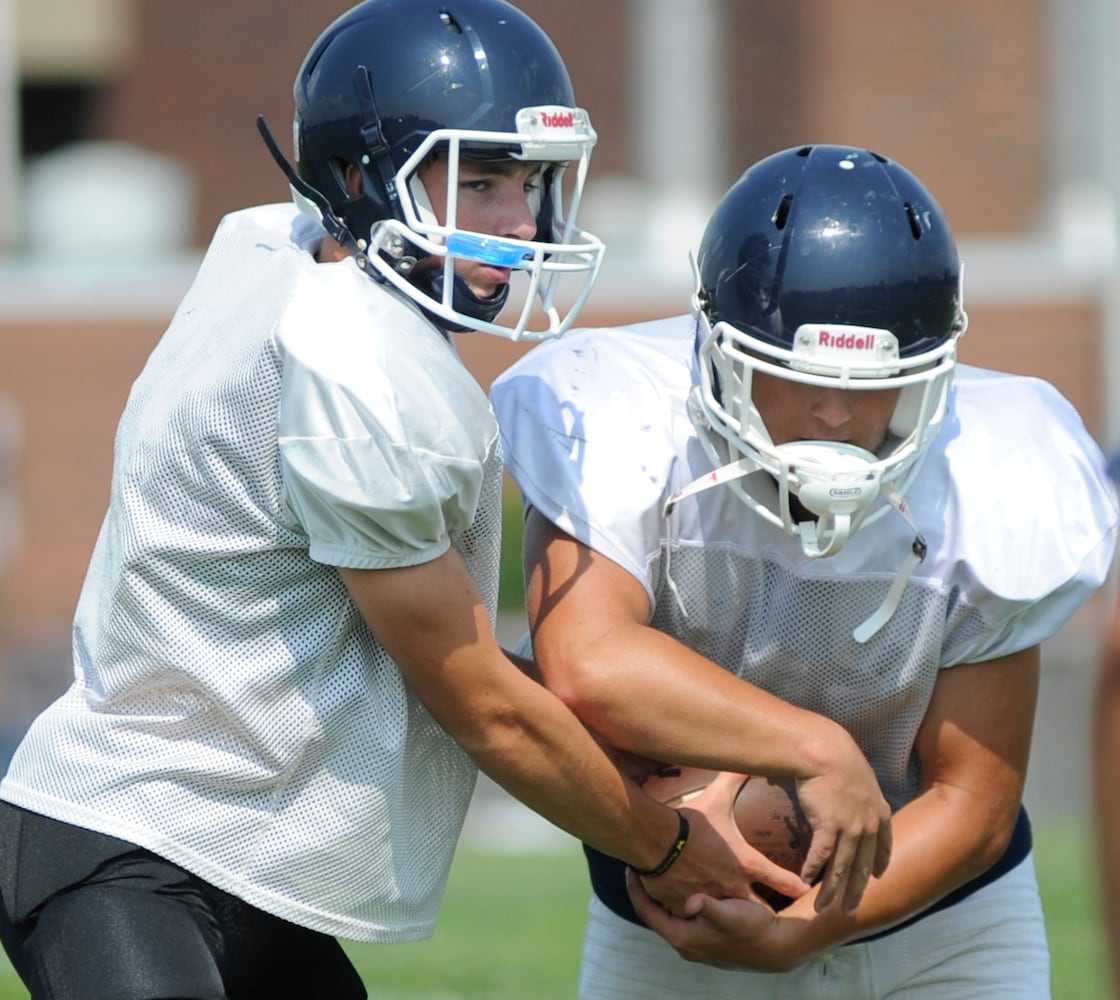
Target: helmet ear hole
(352, 182)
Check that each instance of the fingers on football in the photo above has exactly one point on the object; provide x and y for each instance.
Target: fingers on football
(850, 869)
(860, 874)
(821, 850)
(839, 862)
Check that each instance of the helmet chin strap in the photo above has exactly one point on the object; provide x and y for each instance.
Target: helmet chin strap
(840, 495)
(883, 613)
(837, 483)
(310, 202)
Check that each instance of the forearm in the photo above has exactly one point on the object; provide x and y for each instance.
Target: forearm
(943, 839)
(973, 747)
(529, 743)
(647, 693)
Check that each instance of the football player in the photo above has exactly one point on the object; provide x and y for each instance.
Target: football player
(285, 672)
(795, 500)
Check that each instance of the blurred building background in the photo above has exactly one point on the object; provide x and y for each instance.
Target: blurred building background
(127, 131)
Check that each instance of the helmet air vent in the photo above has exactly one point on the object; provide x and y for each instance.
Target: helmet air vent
(915, 222)
(781, 214)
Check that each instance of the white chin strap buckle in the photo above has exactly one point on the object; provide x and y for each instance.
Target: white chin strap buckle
(837, 482)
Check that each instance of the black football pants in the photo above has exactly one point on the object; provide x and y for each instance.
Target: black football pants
(84, 916)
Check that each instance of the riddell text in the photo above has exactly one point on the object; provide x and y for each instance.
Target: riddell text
(562, 120)
(848, 340)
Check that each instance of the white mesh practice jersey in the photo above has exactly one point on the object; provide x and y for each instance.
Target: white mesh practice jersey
(230, 710)
(1012, 501)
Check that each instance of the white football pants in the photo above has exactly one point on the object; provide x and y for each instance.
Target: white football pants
(990, 945)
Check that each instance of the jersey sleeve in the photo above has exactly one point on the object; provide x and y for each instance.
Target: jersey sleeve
(383, 435)
(1032, 520)
(587, 438)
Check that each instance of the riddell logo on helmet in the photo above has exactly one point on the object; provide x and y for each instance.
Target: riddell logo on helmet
(850, 341)
(563, 119)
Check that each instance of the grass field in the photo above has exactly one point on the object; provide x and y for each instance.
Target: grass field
(511, 926)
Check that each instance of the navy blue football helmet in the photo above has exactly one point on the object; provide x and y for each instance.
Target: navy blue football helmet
(392, 81)
(829, 266)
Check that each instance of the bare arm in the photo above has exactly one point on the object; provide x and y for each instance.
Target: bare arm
(649, 694)
(974, 746)
(431, 620)
(1106, 768)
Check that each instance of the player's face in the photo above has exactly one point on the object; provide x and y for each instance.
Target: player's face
(793, 411)
(496, 198)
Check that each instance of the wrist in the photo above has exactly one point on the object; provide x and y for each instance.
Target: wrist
(674, 852)
(822, 746)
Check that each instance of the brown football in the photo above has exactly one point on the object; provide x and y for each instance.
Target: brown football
(767, 812)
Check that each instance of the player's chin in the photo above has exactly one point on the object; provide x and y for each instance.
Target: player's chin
(486, 281)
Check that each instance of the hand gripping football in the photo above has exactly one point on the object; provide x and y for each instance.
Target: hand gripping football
(767, 812)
